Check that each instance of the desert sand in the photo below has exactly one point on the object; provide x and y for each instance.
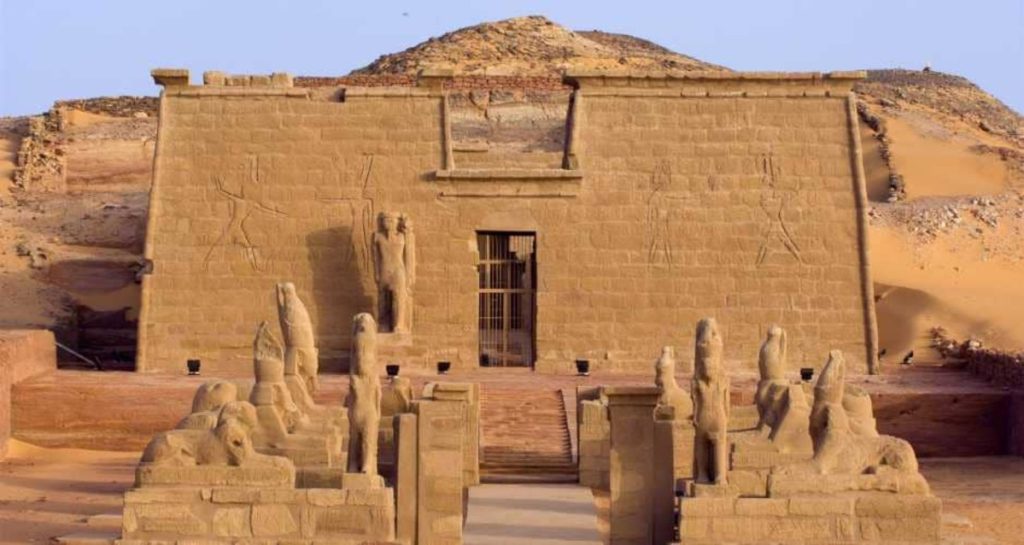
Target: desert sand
(46, 493)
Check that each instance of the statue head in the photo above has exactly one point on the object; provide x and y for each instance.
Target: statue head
(236, 441)
(268, 358)
(364, 344)
(665, 367)
(830, 385)
(389, 222)
(285, 294)
(708, 350)
(294, 318)
(772, 358)
(242, 412)
(405, 223)
(211, 396)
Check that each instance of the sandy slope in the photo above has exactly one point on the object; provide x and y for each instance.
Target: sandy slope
(951, 254)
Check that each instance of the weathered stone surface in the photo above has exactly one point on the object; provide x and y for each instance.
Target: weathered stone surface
(364, 397)
(710, 391)
(273, 520)
(771, 247)
(23, 355)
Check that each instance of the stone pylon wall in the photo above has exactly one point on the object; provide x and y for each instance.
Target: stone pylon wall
(735, 198)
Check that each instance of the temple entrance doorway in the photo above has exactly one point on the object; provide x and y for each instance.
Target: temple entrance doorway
(508, 284)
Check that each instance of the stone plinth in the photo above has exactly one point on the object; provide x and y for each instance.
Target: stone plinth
(256, 515)
(469, 395)
(872, 517)
(631, 463)
(594, 443)
(440, 486)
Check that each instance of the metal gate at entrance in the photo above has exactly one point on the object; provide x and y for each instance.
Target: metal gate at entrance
(508, 283)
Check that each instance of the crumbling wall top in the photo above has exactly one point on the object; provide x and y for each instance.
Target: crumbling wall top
(714, 83)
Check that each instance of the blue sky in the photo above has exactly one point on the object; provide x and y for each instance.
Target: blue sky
(66, 49)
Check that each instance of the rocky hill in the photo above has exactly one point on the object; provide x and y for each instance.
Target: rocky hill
(529, 46)
(944, 161)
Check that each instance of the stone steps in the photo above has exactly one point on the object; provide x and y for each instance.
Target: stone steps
(524, 435)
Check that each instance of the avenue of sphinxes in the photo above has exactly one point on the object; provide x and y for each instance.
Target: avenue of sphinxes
(514, 285)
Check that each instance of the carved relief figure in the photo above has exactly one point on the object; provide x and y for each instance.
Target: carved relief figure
(301, 363)
(364, 396)
(657, 231)
(772, 386)
(674, 403)
(394, 271)
(710, 393)
(776, 231)
(241, 205)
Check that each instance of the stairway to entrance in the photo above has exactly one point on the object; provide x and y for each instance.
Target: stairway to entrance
(525, 436)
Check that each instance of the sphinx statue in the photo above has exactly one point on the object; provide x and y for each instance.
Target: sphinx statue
(710, 393)
(301, 363)
(364, 396)
(849, 455)
(229, 443)
(674, 402)
(207, 402)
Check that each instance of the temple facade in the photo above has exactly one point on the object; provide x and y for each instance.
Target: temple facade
(674, 196)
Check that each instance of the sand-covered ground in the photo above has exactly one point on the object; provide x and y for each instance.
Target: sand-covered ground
(46, 493)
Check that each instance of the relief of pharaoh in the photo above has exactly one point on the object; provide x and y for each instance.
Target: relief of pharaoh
(710, 391)
(394, 271)
(301, 365)
(364, 397)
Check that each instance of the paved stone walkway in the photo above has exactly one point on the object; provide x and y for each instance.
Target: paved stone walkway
(535, 514)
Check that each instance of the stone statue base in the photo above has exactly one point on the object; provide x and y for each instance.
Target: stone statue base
(879, 518)
(251, 515)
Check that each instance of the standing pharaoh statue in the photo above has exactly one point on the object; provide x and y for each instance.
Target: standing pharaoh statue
(364, 397)
(394, 271)
(710, 393)
(301, 364)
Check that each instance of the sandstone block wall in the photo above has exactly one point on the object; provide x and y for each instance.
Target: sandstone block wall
(734, 197)
(23, 355)
(879, 518)
(253, 515)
